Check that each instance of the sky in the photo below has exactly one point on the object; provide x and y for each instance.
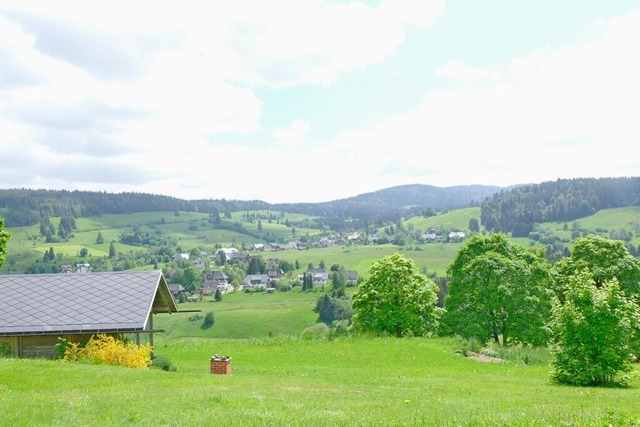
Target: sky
(291, 101)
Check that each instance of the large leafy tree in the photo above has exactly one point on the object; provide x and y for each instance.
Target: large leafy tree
(397, 299)
(498, 290)
(4, 238)
(594, 330)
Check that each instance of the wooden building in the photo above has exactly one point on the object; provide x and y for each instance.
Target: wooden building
(36, 309)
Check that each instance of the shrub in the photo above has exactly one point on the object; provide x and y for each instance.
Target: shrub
(106, 349)
(209, 320)
(340, 328)
(283, 286)
(319, 331)
(61, 347)
(163, 363)
(472, 345)
(195, 317)
(5, 349)
(594, 334)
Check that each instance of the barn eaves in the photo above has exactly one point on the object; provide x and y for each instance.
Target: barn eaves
(52, 305)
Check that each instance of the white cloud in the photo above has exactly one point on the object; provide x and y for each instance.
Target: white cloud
(139, 95)
(314, 42)
(456, 70)
(292, 137)
(572, 111)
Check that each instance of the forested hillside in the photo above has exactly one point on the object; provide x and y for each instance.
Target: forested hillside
(517, 210)
(392, 203)
(511, 210)
(22, 207)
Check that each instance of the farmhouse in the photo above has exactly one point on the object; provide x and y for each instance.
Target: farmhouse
(215, 280)
(255, 281)
(36, 309)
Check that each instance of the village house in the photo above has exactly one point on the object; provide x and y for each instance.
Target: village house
(238, 257)
(274, 274)
(456, 235)
(254, 281)
(176, 289)
(199, 264)
(181, 257)
(66, 268)
(215, 280)
(352, 277)
(320, 276)
(83, 268)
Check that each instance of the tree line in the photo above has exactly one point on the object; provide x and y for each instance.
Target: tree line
(21, 207)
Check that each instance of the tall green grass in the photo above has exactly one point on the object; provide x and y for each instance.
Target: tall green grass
(351, 381)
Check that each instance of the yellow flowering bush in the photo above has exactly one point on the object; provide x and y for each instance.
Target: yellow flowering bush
(108, 350)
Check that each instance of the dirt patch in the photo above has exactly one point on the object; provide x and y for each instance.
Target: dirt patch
(482, 357)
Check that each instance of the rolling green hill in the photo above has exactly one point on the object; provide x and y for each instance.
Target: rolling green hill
(191, 230)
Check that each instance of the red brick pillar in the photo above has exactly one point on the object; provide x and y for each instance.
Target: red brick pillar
(221, 366)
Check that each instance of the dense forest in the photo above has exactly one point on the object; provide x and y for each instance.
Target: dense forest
(517, 210)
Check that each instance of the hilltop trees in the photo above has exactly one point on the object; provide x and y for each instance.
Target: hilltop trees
(498, 290)
(396, 299)
(519, 208)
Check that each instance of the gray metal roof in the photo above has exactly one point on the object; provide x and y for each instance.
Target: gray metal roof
(37, 304)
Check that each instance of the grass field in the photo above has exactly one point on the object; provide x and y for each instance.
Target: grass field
(279, 379)
(433, 256)
(351, 381)
(242, 315)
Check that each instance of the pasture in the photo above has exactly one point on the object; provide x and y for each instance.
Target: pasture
(280, 379)
(349, 381)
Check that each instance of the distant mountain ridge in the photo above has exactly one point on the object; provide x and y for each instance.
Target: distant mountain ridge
(402, 199)
(29, 206)
(513, 209)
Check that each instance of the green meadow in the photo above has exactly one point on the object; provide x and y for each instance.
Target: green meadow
(348, 381)
(245, 315)
(280, 378)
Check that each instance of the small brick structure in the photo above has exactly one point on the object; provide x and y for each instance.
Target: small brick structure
(220, 365)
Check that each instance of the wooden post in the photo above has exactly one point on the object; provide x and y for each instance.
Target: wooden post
(151, 334)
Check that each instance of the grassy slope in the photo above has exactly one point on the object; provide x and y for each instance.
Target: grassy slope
(241, 315)
(350, 382)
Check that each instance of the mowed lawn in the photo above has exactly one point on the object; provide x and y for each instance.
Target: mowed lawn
(349, 381)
